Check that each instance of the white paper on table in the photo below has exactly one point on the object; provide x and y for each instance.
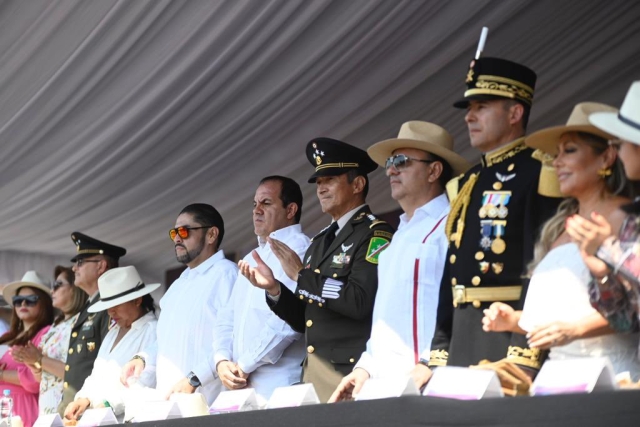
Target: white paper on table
(190, 404)
(235, 401)
(295, 395)
(463, 383)
(156, 411)
(97, 417)
(582, 375)
(49, 420)
(380, 388)
(136, 397)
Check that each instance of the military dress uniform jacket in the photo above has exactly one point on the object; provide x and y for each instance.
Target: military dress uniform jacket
(333, 301)
(494, 222)
(86, 338)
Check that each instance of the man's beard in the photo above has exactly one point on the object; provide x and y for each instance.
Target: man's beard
(189, 256)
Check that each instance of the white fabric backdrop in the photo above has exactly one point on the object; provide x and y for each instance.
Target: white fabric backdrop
(116, 114)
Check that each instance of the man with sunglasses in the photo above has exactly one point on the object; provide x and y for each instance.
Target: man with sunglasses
(337, 280)
(93, 258)
(419, 163)
(497, 210)
(183, 354)
(251, 341)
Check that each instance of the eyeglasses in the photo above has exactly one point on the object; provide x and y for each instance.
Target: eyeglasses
(399, 162)
(57, 285)
(82, 261)
(30, 300)
(183, 231)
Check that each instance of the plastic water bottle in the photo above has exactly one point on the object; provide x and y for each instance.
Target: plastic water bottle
(6, 407)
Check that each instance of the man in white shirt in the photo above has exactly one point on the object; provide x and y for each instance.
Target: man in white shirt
(183, 357)
(250, 340)
(418, 163)
(336, 284)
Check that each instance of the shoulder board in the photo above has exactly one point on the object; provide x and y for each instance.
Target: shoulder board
(541, 156)
(453, 186)
(376, 222)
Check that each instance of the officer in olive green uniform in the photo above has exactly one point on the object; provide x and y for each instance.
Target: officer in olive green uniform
(333, 302)
(497, 210)
(89, 329)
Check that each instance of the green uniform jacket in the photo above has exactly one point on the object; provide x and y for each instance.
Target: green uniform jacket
(86, 338)
(333, 302)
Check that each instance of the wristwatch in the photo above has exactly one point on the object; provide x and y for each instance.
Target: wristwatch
(38, 363)
(193, 380)
(424, 362)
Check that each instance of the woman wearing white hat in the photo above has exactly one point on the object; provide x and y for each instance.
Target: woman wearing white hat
(31, 319)
(129, 304)
(615, 263)
(47, 362)
(557, 313)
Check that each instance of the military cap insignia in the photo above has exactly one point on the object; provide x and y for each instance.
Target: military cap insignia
(318, 155)
(376, 246)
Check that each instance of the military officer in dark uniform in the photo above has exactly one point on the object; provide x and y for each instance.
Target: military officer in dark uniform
(92, 259)
(337, 280)
(497, 210)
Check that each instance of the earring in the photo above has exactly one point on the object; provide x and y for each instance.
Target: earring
(604, 172)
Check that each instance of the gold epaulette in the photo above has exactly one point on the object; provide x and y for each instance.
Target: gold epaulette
(530, 357)
(438, 358)
(452, 188)
(548, 184)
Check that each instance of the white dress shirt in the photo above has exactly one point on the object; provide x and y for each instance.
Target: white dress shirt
(251, 335)
(409, 275)
(186, 325)
(104, 382)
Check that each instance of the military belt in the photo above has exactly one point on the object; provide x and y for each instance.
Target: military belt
(464, 294)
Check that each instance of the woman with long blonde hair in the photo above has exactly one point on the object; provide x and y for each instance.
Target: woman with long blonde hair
(557, 314)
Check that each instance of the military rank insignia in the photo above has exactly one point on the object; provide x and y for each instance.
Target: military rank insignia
(376, 246)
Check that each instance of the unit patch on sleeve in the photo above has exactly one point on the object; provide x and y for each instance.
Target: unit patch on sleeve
(376, 246)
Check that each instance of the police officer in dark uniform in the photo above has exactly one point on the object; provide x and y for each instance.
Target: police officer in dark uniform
(92, 259)
(337, 279)
(497, 210)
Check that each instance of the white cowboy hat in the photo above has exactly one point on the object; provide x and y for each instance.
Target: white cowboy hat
(423, 136)
(31, 279)
(626, 124)
(118, 286)
(547, 139)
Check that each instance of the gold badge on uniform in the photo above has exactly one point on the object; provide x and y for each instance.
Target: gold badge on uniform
(497, 267)
(91, 346)
(79, 348)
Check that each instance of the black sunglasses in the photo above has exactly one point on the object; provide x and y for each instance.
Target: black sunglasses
(57, 285)
(399, 161)
(30, 300)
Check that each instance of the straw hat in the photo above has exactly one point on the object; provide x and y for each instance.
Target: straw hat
(547, 139)
(625, 124)
(31, 279)
(118, 286)
(423, 136)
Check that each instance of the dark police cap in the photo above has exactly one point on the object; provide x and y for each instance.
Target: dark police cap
(494, 78)
(331, 157)
(88, 246)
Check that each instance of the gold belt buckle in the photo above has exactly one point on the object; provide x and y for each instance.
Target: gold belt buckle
(459, 295)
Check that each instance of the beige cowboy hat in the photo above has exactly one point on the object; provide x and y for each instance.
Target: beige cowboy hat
(423, 136)
(547, 139)
(626, 124)
(31, 279)
(118, 286)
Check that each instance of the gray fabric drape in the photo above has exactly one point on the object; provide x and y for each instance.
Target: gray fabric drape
(116, 114)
